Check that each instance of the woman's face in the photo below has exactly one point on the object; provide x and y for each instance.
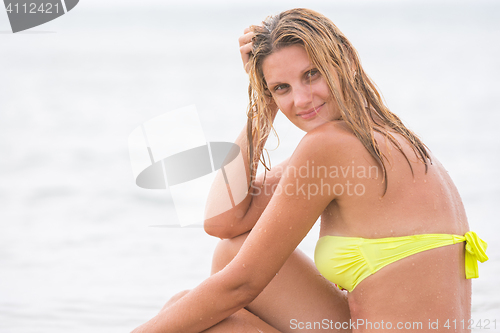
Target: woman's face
(298, 88)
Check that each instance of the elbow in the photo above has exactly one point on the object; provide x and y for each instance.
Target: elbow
(250, 288)
(249, 285)
(244, 293)
(215, 229)
(242, 284)
(247, 295)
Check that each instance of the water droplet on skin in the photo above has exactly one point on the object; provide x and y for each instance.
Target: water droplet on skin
(244, 266)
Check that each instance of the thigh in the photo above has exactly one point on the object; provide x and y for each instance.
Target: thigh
(298, 298)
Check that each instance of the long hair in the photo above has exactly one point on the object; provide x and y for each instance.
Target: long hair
(361, 108)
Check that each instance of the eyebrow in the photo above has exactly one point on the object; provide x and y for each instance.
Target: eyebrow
(307, 68)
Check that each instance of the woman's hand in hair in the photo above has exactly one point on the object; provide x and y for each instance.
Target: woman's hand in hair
(246, 46)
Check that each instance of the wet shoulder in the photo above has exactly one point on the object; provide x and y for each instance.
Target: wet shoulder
(333, 141)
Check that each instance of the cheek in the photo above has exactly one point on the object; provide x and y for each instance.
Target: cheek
(283, 106)
(324, 92)
(280, 102)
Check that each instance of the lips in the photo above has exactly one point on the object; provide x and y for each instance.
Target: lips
(310, 113)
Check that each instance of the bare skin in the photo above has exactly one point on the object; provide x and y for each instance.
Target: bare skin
(297, 292)
(264, 230)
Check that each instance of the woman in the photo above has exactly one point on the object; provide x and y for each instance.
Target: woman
(392, 222)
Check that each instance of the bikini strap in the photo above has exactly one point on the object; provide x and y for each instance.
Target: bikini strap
(475, 249)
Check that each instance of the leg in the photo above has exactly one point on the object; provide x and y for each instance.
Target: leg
(298, 293)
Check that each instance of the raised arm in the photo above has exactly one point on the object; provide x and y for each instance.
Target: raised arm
(243, 216)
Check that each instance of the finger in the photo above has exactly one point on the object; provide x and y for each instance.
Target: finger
(247, 29)
(246, 38)
(245, 52)
(246, 49)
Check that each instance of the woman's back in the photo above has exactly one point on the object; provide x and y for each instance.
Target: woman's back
(425, 285)
(425, 202)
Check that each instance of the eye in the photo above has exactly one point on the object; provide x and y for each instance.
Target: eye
(280, 87)
(312, 73)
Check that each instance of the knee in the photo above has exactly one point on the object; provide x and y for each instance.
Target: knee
(225, 251)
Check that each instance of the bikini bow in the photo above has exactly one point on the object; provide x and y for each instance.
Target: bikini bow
(475, 249)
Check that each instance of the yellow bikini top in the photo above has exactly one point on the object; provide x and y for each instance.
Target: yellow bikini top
(346, 261)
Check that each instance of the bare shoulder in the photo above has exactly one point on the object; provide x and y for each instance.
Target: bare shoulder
(331, 142)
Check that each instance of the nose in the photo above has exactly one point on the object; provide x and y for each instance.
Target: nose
(302, 97)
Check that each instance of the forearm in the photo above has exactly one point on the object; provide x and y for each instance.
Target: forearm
(206, 305)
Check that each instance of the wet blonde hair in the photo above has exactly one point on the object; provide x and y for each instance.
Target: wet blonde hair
(361, 108)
